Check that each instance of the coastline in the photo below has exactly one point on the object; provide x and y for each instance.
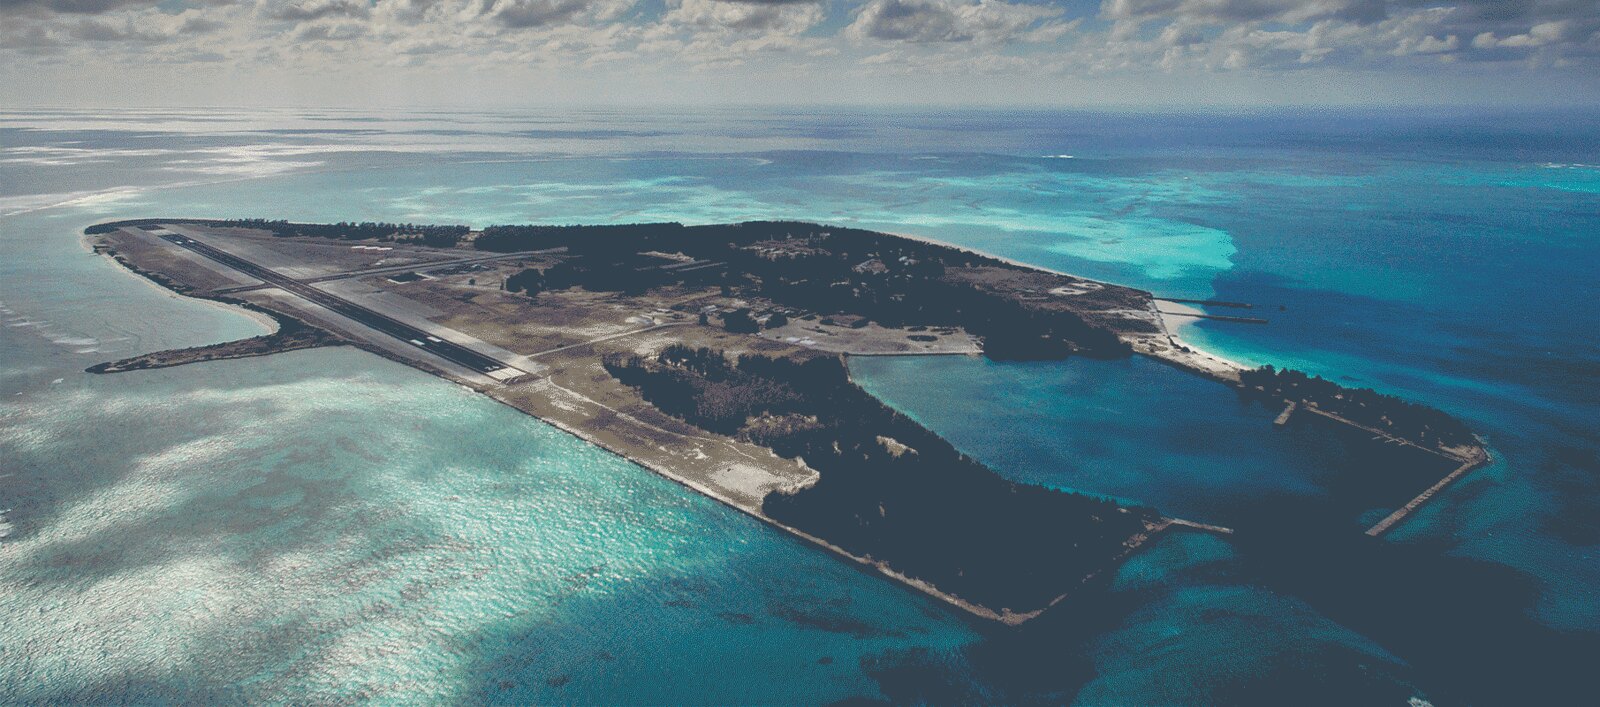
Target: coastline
(1176, 351)
(269, 324)
(1157, 337)
(1183, 354)
(282, 333)
(1003, 615)
(1175, 318)
(1008, 261)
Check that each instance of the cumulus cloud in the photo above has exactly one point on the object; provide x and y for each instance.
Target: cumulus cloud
(306, 10)
(786, 16)
(69, 7)
(1539, 35)
(330, 32)
(1427, 44)
(100, 31)
(707, 33)
(1290, 11)
(408, 12)
(923, 21)
(535, 13)
(1015, 37)
(145, 27)
(1274, 33)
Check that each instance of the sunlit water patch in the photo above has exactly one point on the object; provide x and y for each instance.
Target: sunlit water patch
(213, 536)
(1161, 250)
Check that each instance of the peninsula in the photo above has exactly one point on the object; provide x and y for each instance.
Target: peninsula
(714, 356)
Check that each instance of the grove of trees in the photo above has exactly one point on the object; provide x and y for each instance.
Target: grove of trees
(889, 488)
(1410, 421)
(906, 287)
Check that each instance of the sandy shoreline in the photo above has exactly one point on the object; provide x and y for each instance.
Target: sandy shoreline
(268, 324)
(1197, 360)
(265, 320)
(1001, 258)
(1004, 616)
(1173, 317)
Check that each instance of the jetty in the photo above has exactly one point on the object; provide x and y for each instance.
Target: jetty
(1288, 412)
(1206, 302)
(1479, 458)
(1467, 459)
(1219, 317)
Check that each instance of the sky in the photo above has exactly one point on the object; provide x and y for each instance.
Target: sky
(497, 53)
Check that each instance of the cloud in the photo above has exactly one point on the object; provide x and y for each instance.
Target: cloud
(147, 27)
(707, 33)
(783, 16)
(1232, 11)
(926, 21)
(337, 31)
(1427, 44)
(1539, 35)
(1227, 34)
(101, 31)
(407, 12)
(70, 7)
(855, 39)
(307, 10)
(33, 38)
(519, 14)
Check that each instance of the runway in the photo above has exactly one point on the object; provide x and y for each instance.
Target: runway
(450, 351)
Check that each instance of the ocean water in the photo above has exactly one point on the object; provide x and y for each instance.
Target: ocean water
(329, 523)
(316, 526)
(1140, 432)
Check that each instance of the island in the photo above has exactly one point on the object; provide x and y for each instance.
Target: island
(714, 355)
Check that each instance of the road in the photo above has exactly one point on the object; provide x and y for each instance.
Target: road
(608, 337)
(450, 351)
(412, 267)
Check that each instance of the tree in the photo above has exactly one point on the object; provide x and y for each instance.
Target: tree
(530, 281)
(739, 321)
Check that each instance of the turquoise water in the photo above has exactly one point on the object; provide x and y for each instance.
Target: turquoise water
(326, 521)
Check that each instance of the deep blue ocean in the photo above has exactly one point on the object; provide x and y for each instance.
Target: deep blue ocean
(328, 525)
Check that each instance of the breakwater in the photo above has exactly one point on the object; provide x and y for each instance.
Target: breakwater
(1383, 526)
(1206, 302)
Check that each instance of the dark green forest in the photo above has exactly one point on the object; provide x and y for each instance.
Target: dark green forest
(889, 489)
(1410, 421)
(891, 280)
